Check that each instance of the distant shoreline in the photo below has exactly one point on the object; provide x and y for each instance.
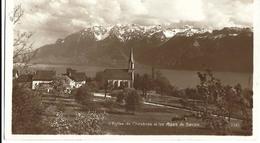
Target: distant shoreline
(137, 66)
(178, 78)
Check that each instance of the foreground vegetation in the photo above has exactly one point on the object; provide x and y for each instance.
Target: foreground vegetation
(209, 109)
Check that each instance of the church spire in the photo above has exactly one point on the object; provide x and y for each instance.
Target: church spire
(131, 60)
(131, 67)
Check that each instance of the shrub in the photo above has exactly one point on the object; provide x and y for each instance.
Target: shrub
(119, 94)
(60, 124)
(81, 123)
(26, 111)
(88, 123)
(120, 97)
(133, 100)
(83, 95)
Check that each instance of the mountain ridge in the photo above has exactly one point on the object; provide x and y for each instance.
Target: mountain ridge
(183, 48)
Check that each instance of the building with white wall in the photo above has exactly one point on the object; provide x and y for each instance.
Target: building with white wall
(122, 77)
(43, 78)
(75, 79)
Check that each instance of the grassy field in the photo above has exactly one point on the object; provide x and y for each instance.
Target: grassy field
(151, 120)
(147, 120)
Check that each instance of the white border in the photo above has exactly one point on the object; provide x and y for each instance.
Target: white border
(61, 138)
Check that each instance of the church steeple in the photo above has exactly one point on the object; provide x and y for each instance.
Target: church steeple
(131, 65)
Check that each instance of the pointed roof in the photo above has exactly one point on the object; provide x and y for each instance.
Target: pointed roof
(117, 74)
(131, 56)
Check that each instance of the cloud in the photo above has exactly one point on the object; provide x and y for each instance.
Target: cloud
(228, 13)
(52, 19)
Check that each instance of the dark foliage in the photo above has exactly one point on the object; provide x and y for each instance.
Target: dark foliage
(26, 111)
(156, 82)
(132, 101)
(83, 95)
(229, 101)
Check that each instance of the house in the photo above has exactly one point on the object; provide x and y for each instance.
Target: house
(76, 79)
(121, 77)
(43, 78)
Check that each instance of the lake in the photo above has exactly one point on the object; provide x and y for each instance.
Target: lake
(178, 78)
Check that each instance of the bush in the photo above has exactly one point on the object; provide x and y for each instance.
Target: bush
(119, 94)
(26, 111)
(120, 97)
(89, 123)
(83, 95)
(92, 86)
(133, 100)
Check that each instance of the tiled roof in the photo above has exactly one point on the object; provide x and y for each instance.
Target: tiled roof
(117, 74)
(78, 76)
(44, 75)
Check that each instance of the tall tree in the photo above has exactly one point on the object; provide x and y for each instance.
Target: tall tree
(22, 45)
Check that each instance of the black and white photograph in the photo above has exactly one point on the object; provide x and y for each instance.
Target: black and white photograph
(130, 67)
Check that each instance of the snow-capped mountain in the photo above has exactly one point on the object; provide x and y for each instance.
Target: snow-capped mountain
(161, 46)
(133, 31)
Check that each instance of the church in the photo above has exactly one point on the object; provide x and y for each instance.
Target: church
(122, 77)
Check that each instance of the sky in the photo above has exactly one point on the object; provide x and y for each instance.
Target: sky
(53, 19)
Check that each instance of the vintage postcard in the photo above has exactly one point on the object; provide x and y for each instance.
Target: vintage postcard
(129, 67)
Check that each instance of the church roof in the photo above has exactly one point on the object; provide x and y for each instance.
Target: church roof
(117, 74)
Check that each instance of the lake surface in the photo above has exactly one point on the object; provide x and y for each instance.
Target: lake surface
(178, 78)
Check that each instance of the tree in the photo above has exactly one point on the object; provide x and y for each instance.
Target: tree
(226, 99)
(23, 47)
(26, 105)
(229, 100)
(133, 100)
(92, 85)
(100, 78)
(108, 87)
(21, 43)
(159, 83)
(59, 86)
(162, 84)
(26, 111)
(246, 102)
(137, 83)
(192, 93)
(146, 84)
(143, 82)
(84, 96)
(213, 93)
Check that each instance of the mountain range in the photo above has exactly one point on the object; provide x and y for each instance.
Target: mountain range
(185, 48)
